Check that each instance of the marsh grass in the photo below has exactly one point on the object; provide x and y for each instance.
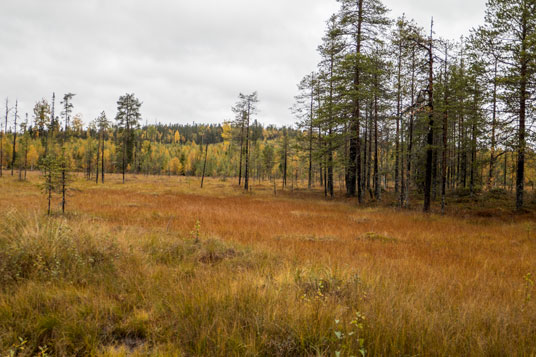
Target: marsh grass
(159, 267)
(74, 290)
(37, 248)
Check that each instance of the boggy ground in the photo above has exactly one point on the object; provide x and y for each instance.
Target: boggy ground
(158, 266)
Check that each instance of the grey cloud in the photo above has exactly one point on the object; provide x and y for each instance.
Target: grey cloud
(186, 60)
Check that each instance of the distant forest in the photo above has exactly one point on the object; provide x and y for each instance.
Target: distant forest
(391, 106)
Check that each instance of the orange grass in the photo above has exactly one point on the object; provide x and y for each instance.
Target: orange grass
(427, 285)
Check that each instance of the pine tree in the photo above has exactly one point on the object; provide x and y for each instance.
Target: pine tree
(23, 163)
(245, 108)
(64, 178)
(102, 124)
(127, 118)
(304, 110)
(51, 177)
(331, 52)
(67, 109)
(515, 21)
(362, 21)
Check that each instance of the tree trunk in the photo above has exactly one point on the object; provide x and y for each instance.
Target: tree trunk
(25, 159)
(49, 199)
(398, 114)
(410, 129)
(310, 171)
(124, 157)
(473, 140)
(430, 136)
(369, 118)
(520, 177)
(246, 173)
(285, 160)
(241, 151)
(102, 159)
(97, 163)
(492, 157)
(445, 137)
(320, 144)
(330, 166)
(14, 157)
(377, 179)
(2, 139)
(366, 164)
(63, 188)
(204, 166)
(354, 164)
(505, 170)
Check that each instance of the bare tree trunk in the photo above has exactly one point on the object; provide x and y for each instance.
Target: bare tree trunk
(126, 133)
(354, 164)
(445, 137)
(241, 152)
(14, 157)
(320, 163)
(505, 170)
(366, 163)
(370, 119)
(102, 159)
(97, 163)
(493, 129)
(63, 188)
(330, 166)
(377, 179)
(49, 199)
(246, 173)
(325, 176)
(430, 136)
(204, 165)
(25, 159)
(310, 173)
(520, 177)
(398, 115)
(473, 141)
(285, 143)
(330, 120)
(410, 138)
(2, 139)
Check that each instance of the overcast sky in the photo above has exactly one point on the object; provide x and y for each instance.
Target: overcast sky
(185, 60)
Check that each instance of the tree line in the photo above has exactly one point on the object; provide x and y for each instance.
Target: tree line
(391, 101)
(124, 145)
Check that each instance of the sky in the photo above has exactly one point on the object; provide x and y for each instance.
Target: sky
(187, 61)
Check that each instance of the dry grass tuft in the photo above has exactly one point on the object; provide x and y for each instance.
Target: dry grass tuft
(376, 237)
(37, 248)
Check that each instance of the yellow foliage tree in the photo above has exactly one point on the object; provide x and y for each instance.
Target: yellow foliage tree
(175, 166)
(33, 156)
(227, 133)
(77, 124)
